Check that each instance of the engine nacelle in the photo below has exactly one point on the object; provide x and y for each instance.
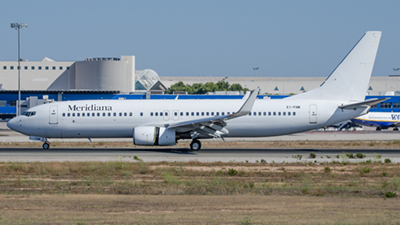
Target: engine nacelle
(148, 135)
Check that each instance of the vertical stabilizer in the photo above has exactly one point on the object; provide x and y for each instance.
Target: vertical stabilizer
(349, 81)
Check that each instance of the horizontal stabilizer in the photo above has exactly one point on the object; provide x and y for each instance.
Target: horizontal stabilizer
(368, 102)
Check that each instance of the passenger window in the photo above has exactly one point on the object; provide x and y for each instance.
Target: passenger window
(294, 113)
(63, 114)
(288, 113)
(192, 113)
(156, 113)
(274, 113)
(104, 114)
(115, 114)
(284, 113)
(269, 113)
(161, 114)
(109, 114)
(212, 113)
(217, 113)
(151, 114)
(181, 113)
(166, 114)
(222, 114)
(197, 113)
(68, 114)
(125, 114)
(202, 113)
(175, 114)
(254, 114)
(130, 114)
(78, 114)
(120, 114)
(98, 114)
(250, 114)
(93, 114)
(279, 113)
(73, 114)
(207, 113)
(265, 113)
(141, 113)
(87, 114)
(259, 113)
(187, 113)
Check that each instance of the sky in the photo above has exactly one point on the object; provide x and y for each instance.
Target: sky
(224, 38)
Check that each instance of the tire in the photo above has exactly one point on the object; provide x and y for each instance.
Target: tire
(195, 145)
(46, 145)
(396, 129)
(378, 129)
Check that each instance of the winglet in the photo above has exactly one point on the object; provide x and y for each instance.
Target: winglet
(247, 105)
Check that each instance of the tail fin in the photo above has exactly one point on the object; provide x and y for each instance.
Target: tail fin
(349, 81)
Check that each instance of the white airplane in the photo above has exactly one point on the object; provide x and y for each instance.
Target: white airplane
(380, 120)
(164, 122)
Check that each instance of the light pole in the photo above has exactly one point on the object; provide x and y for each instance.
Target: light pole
(255, 70)
(19, 26)
(395, 70)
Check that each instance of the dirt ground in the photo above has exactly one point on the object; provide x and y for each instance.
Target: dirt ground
(242, 209)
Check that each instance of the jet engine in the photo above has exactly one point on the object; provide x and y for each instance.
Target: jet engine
(148, 135)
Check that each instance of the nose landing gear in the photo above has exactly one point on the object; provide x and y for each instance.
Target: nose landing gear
(46, 145)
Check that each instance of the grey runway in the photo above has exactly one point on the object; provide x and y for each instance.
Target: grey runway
(184, 155)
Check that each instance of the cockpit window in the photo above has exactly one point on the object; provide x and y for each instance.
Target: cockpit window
(29, 113)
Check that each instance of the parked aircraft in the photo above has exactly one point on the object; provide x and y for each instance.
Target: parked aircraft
(380, 120)
(164, 122)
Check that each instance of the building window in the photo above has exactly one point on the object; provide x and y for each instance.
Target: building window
(395, 105)
(386, 105)
(32, 68)
(3, 103)
(13, 103)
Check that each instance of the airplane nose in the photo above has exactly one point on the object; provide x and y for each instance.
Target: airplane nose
(13, 123)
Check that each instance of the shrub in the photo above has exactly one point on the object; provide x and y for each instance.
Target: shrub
(384, 174)
(327, 169)
(232, 172)
(388, 161)
(390, 194)
(365, 170)
(360, 155)
(337, 156)
(368, 161)
(263, 161)
(350, 155)
(312, 155)
(137, 158)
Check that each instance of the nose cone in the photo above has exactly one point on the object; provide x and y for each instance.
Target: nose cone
(13, 124)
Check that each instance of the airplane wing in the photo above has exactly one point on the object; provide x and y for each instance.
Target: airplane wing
(215, 126)
(368, 102)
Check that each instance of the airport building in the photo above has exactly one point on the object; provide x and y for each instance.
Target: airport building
(104, 78)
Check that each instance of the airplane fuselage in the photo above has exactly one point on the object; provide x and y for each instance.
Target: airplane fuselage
(118, 118)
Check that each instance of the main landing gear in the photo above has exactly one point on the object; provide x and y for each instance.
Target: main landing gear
(195, 145)
(46, 145)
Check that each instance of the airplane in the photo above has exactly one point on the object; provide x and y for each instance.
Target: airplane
(380, 120)
(163, 122)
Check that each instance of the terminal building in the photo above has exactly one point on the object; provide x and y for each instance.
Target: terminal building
(104, 78)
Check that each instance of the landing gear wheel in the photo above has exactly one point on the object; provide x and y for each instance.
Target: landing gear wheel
(378, 129)
(195, 145)
(46, 145)
(396, 129)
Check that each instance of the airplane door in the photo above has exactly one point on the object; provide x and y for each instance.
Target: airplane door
(53, 115)
(166, 115)
(313, 114)
(175, 115)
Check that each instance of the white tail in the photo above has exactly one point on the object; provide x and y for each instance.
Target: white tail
(349, 81)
